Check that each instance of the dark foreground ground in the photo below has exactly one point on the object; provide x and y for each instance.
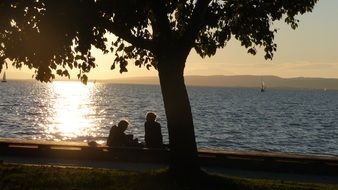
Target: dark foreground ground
(70, 165)
(18, 176)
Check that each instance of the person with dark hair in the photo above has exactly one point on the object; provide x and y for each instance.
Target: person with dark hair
(117, 137)
(153, 135)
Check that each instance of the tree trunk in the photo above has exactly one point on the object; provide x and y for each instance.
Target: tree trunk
(179, 117)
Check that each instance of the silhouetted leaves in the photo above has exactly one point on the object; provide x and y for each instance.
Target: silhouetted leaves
(49, 35)
(52, 36)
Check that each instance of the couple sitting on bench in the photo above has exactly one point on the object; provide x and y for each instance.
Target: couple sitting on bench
(152, 137)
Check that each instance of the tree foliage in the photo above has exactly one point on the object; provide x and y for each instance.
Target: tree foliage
(53, 36)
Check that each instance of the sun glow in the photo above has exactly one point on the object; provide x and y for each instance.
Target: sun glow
(71, 107)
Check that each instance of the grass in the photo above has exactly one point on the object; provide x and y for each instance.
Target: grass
(49, 177)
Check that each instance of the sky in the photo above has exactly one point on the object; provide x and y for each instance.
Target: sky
(309, 51)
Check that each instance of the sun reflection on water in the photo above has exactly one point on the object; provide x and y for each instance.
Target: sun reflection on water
(71, 107)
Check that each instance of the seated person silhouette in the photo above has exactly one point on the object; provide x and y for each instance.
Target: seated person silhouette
(117, 137)
(153, 135)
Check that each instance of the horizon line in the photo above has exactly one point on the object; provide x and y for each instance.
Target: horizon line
(133, 77)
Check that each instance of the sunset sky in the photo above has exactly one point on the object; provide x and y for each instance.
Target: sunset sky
(309, 51)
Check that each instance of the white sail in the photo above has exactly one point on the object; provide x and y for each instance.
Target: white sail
(263, 87)
(4, 77)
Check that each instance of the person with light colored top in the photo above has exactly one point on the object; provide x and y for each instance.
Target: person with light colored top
(153, 134)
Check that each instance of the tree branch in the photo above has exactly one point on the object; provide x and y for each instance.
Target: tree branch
(161, 24)
(126, 34)
(195, 23)
(108, 6)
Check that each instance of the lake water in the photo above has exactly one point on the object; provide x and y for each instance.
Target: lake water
(301, 121)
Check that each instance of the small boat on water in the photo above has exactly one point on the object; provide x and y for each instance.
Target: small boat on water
(263, 87)
(4, 77)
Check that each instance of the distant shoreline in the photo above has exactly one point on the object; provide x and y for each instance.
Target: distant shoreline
(236, 81)
(242, 81)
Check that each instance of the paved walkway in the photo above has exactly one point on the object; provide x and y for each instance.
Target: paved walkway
(131, 166)
(306, 178)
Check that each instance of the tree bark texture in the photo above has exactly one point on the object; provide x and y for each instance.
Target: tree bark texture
(178, 111)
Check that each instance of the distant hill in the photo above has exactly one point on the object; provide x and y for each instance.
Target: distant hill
(245, 81)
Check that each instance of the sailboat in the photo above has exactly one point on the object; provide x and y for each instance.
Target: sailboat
(263, 87)
(4, 77)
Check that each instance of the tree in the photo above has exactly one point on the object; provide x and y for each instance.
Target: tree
(53, 36)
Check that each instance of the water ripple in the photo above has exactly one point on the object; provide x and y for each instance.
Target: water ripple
(243, 119)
